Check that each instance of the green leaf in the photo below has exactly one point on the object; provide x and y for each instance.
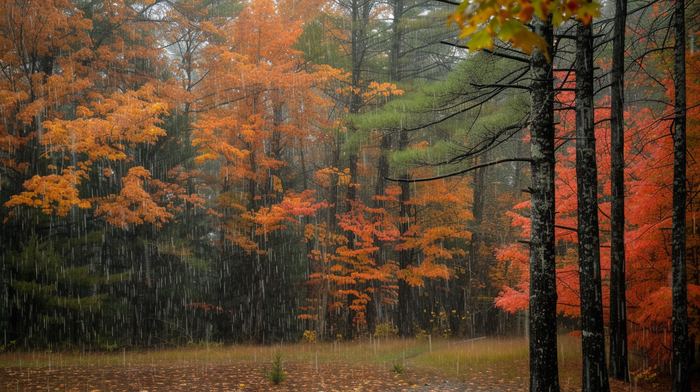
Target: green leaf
(521, 37)
(510, 28)
(479, 40)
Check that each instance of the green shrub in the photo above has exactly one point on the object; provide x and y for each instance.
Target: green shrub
(277, 374)
(385, 330)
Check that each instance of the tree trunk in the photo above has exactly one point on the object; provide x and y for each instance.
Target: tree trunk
(681, 377)
(396, 37)
(618, 298)
(350, 197)
(473, 261)
(405, 299)
(595, 375)
(375, 311)
(544, 375)
(327, 249)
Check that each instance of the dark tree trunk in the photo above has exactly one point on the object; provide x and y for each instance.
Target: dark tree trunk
(476, 241)
(618, 299)
(681, 377)
(405, 299)
(405, 317)
(544, 374)
(595, 375)
(359, 11)
(396, 37)
(358, 48)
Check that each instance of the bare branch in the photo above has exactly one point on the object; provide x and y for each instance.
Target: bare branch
(471, 168)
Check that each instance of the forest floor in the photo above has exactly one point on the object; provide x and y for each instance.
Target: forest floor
(496, 366)
(239, 377)
(248, 377)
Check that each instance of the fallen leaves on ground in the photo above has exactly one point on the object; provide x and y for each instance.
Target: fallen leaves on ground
(230, 377)
(249, 376)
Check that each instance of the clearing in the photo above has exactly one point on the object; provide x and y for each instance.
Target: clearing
(376, 365)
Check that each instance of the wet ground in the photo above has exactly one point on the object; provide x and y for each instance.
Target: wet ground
(244, 377)
(163, 376)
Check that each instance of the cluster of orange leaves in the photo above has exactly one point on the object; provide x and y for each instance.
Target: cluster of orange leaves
(55, 193)
(207, 307)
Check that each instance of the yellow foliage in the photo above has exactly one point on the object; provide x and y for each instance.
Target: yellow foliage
(482, 21)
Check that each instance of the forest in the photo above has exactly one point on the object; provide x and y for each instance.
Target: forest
(182, 171)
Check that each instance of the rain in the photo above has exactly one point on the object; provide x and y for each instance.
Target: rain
(348, 195)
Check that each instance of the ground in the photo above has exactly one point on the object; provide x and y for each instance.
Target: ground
(387, 365)
(246, 377)
(233, 377)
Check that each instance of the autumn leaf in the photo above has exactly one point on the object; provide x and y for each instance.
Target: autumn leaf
(485, 20)
(521, 36)
(479, 40)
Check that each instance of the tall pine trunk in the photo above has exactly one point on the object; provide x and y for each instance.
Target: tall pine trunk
(618, 298)
(396, 37)
(595, 375)
(544, 374)
(681, 377)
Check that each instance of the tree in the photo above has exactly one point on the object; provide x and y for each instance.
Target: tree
(509, 26)
(445, 142)
(61, 290)
(543, 293)
(649, 166)
(618, 299)
(681, 377)
(595, 375)
(259, 103)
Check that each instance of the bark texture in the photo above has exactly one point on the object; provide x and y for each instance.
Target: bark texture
(681, 377)
(543, 293)
(618, 361)
(595, 374)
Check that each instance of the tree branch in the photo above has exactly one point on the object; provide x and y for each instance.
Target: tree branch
(448, 2)
(501, 86)
(491, 52)
(471, 168)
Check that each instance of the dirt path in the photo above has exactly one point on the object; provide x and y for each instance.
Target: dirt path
(230, 377)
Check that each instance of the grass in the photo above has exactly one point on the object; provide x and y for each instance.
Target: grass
(381, 352)
(437, 357)
(480, 354)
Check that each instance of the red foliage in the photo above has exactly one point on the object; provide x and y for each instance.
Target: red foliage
(649, 155)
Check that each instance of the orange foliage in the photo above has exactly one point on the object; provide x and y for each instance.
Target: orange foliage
(257, 100)
(73, 103)
(53, 193)
(134, 204)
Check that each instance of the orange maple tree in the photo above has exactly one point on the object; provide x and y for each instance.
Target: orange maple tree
(66, 127)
